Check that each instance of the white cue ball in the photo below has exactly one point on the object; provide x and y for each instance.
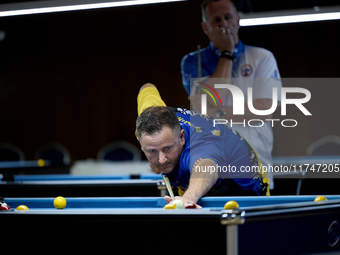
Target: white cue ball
(179, 203)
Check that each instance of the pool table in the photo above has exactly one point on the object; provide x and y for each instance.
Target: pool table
(49, 185)
(136, 225)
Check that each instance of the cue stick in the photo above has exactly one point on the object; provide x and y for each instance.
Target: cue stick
(199, 62)
(199, 67)
(168, 186)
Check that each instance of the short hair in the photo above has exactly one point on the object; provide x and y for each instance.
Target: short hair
(206, 2)
(153, 119)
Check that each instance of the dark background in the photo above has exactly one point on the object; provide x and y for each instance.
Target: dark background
(73, 77)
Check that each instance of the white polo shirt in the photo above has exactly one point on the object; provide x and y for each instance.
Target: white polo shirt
(253, 67)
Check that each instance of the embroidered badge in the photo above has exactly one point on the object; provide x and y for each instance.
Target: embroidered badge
(246, 70)
(216, 132)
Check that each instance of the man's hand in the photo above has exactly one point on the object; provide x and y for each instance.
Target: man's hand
(222, 39)
(185, 201)
(194, 98)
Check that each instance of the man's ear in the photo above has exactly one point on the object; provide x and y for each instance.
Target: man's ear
(182, 136)
(238, 20)
(139, 143)
(204, 27)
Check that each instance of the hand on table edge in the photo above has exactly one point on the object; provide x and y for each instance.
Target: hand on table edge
(200, 183)
(185, 202)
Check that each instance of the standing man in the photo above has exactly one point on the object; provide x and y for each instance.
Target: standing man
(228, 61)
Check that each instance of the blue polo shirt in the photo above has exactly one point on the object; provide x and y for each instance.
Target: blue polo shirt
(223, 145)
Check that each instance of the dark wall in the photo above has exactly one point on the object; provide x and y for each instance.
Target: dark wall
(73, 77)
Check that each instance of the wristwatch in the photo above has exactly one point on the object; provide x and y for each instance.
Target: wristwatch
(228, 55)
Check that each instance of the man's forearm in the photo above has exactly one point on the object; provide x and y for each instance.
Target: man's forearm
(222, 74)
(223, 69)
(201, 181)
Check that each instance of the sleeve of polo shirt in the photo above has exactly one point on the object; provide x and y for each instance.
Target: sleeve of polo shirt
(148, 97)
(268, 76)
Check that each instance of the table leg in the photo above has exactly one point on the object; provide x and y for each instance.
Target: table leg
(162, 188)
(164, 192)
(232, 239)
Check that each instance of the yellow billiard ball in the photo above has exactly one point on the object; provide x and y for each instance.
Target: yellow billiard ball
(170, 206)
(231, 205)
(320, 198)
(41, 162)
(22, 207)
(59, 202)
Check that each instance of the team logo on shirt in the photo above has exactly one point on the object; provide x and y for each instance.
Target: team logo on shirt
(216, 132)
(246, 70)
(275, 75)
(180, 119)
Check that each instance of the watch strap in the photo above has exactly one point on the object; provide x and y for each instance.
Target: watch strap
(227, 54)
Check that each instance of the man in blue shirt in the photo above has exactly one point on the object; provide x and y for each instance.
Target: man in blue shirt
(196, 155)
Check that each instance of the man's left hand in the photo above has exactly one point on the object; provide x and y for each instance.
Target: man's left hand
(185, 201)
